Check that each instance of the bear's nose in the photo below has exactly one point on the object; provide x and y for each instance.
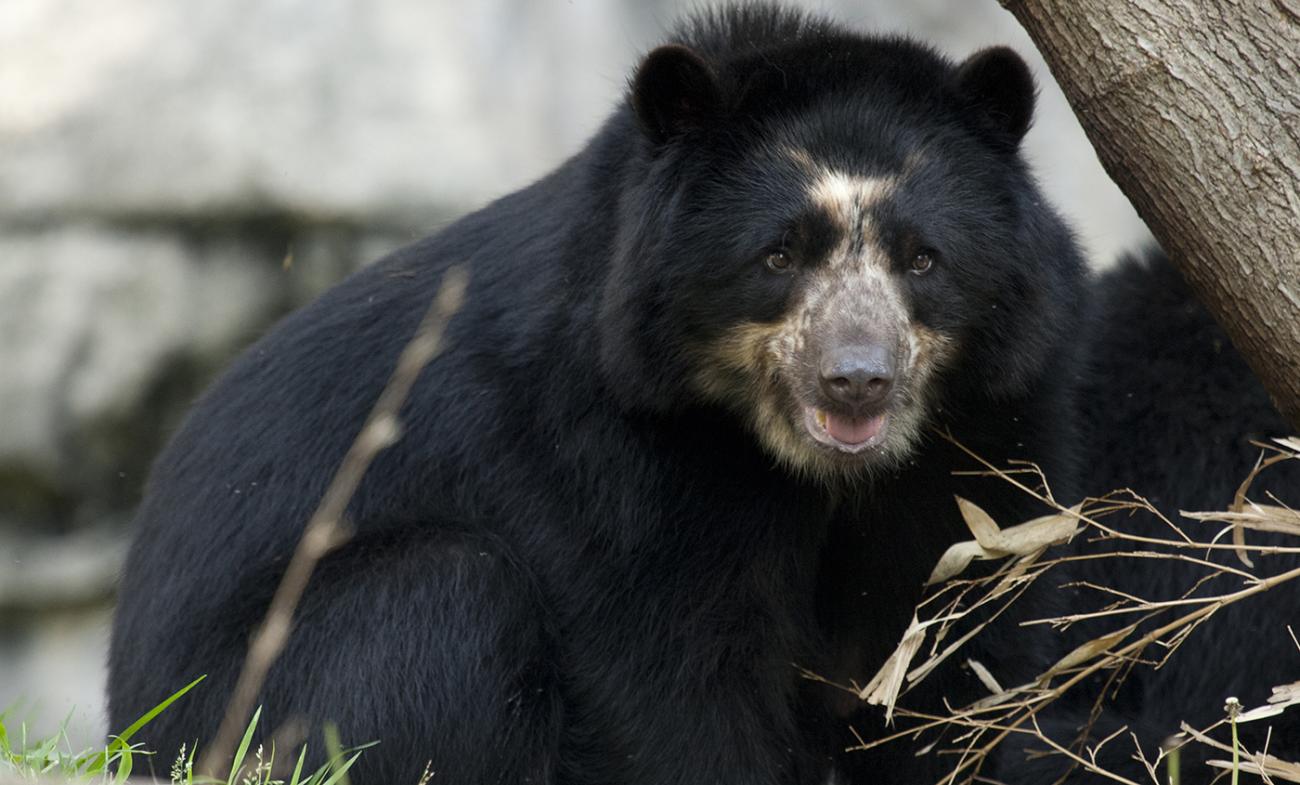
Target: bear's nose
(858, 376)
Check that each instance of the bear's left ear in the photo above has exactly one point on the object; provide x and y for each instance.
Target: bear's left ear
(674, 91)
(997, 88)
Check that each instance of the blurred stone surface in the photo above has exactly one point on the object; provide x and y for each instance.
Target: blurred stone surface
(175, 174)
(107, 331)
(53, 672)
(89, 315)
(349, 107)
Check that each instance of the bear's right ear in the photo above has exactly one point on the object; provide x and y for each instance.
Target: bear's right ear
(674, 91)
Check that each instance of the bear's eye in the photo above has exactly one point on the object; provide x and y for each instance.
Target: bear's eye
(778, 261)
(922, 262)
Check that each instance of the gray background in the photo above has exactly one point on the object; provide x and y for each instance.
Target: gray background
(175, 174)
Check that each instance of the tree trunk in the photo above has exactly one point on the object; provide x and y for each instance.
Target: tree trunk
(1194, 109)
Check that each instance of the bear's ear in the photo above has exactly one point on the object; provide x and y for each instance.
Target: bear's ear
(997, 88)
(674, 91)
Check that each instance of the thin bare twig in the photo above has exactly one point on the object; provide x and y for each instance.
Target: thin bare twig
(326, 530)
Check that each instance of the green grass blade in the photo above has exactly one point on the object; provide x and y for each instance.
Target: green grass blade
(125, 736)
(340, 775)
(242, 752)
(96, 763)
(334, 751)
(122, 740)
(123, 766)
(297, 770)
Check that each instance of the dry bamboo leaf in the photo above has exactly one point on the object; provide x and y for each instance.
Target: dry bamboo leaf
(1286, 693)
(955, 560)
(1028, 537)
(884, 687)
(1271, 517)
(991, 542)
(1260, 517)
(1283, 696)
(1240, 501)
(1262, 764)
(1292, 443)
(1249, 515)
(981, 525)
(1043, 532)
(1239, 540)
(1088, 651)
(1254, 763)
(1272, 767)
(986, 678)
(989, 701)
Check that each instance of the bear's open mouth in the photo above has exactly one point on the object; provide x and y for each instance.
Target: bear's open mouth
(845, 433)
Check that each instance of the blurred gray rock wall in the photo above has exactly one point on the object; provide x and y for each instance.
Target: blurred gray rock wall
(176, 174)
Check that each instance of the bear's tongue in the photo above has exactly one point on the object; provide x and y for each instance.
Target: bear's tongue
(850, 430)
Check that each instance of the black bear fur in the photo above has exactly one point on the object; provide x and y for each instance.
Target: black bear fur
(583, 562)
(573, 567)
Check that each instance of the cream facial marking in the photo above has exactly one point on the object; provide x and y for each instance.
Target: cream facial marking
(848, 200)
(856, 284)
(767, 371)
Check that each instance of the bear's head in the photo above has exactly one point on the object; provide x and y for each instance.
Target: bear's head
(833, 237)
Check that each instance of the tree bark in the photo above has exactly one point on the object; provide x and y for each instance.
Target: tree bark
(1193, 107)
